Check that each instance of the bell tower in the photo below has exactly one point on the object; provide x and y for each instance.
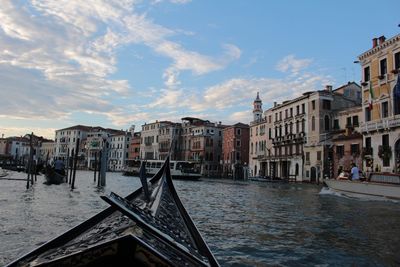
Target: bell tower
(257, 108)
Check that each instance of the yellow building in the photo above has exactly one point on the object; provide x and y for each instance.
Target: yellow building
(380, 68)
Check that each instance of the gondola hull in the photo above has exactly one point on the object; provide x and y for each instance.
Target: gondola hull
(53, 177)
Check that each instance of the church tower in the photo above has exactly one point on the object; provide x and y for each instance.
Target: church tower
(257, 108)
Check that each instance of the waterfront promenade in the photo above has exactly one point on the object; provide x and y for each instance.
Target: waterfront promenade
(245, 223)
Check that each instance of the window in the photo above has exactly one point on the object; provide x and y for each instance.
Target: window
(355, 121)
(238, 132)
(307, 156)
(367, 114)
(336, 124)
(368, 142)
(270, 118)
(327, 123)
(385, 110)
(313, 123)
(291, 112)
(270, 133)
(348, 122)
(318, 155)
(366, 74)
(238, 143)
(313, 104)
(355, 149)
(297, 110)
(303, 108)
(340, 151)
(385, 145)
(286, 114)
(396, 100)
(397, 60)
(383, 66)
(326, 104)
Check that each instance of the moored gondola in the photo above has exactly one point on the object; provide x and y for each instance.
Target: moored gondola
(144, 229)
(54, 177)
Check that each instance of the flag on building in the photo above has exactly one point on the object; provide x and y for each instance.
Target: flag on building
(371, 95)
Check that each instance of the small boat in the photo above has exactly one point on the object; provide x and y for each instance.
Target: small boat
(267, 179)
(54, 177)
(150, 227)
(183, 170)
(381, 185)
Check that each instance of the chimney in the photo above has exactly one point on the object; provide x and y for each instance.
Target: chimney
(374, 42)
(328, 88)
(382, 39)
(275, 104)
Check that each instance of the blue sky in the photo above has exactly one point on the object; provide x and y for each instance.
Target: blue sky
(122, 62)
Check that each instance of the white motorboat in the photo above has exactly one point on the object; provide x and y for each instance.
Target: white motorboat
(378, 185)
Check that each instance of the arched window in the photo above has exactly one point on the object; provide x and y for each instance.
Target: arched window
(313, 123)
(297, 169)
(327, 123)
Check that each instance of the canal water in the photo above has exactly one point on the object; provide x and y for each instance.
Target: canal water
(244, 223)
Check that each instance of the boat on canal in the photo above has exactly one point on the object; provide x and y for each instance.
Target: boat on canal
(267, 179)
(54, 177)
(150, 227)
(381, 185)
(182, 170)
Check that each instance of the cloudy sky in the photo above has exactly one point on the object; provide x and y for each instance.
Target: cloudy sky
(122, 62)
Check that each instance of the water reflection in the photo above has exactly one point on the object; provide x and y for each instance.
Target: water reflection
(244, 223)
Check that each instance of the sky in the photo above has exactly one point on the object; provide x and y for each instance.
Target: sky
(119, 63)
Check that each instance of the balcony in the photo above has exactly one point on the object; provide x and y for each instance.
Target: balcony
(383, 124)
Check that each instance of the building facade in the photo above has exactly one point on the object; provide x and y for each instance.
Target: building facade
(380, 68)
(235, 150)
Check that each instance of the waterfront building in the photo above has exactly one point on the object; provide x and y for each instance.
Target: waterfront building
(293, 140)
(96, 139)
(150, 146)
(286, 124)
(347, 141)
(235, 150)
(66, 139)
(118, 145)
(258, 140)
(169, 134)
(201, 142)
(380, 67)
(134, 146)
(323, 105)
(46, 150)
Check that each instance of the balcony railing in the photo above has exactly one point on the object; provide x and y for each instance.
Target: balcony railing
(380, 124)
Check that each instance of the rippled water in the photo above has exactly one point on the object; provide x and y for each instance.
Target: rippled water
(244, 223)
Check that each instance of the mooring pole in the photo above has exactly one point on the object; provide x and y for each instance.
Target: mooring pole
(67, 165)
(75, 162)
(103, 165)
(95, 166)
(71, 163)
(99, 168)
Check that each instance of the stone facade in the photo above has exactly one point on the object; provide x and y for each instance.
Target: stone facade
(380, 67)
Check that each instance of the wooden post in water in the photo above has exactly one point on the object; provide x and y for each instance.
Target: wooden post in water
(99, 168)
(71, 163)
(67, 165)
(95, 166)
(103, 166)
(75, 162)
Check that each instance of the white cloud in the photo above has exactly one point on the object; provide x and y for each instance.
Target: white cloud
(290, 63)
(56, 57)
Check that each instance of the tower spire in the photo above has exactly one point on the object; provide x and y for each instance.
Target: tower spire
(257, 108)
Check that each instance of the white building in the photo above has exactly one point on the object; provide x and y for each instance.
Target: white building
(118, 150)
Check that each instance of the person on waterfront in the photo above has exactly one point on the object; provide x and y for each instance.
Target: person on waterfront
(355, 172)
(59, 166)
